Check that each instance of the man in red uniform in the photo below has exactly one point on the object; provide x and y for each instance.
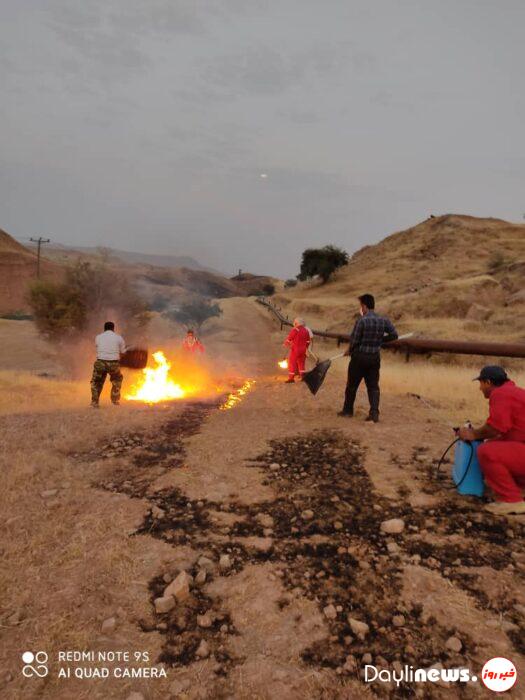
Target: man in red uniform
(192, 344)
(502, 455)
(298, 341)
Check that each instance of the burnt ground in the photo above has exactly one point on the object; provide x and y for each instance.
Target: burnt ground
(321, 532)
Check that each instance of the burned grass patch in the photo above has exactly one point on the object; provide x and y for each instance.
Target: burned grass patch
(148, 455)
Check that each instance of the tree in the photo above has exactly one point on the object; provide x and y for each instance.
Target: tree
(322, 262)
(194, 313)
(89, 295)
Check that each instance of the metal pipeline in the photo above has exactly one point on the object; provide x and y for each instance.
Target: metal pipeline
(419, 345)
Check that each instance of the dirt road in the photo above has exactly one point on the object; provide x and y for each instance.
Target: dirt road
(274, 509)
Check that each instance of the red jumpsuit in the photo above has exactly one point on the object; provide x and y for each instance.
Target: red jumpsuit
(298, 339)
(502, 460)
(192, 346)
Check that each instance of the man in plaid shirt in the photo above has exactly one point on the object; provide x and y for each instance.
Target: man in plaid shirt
(369, 334)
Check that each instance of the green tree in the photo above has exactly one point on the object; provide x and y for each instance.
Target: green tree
(194, 313)
(89, 295)
(322, 262)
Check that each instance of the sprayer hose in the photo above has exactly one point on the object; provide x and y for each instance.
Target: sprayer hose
(470, 460)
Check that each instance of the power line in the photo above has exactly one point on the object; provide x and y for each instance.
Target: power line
(39, 242)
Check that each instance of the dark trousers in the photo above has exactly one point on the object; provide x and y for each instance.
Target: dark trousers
(365, 366)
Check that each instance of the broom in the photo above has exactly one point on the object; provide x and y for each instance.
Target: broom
(315, 377)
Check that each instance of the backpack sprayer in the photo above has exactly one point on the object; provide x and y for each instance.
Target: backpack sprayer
(466, 472)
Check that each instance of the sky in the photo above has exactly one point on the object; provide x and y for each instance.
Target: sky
(241, 132)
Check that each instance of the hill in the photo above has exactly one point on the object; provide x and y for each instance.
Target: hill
(17, 271)
(159, 285)
(450, 276)
(62, 253)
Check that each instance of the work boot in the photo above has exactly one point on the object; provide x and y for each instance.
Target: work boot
(290, 381)
(116, 403)
(346, 414)
(372, 418)
(504, 508)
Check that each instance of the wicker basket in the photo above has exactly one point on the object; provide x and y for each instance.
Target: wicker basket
(134, 358)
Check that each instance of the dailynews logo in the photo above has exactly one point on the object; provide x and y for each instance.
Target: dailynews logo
(35, 664)
(498, 674)
(409, 674)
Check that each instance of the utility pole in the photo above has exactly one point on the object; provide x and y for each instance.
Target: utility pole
(39, 242)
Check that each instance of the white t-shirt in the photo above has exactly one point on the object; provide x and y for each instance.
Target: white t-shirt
(110, 346)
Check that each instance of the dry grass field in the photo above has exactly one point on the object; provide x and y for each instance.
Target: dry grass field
(85, 553)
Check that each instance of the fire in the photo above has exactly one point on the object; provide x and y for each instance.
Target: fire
(156, 385)
(283, 364)
(236, 396)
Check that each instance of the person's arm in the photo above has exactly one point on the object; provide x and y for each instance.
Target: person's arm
(390, 331)
(355, 335)
(485, 432)
(121, 345)
(290, 338)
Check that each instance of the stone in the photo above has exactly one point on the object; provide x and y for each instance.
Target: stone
(454, 644)
(394, 526)
(225, 563)
(261, 544)
(398, 620)
(165, 604)
(49, 493)
(275, 467)
(393, 547)
(203, 650)
(338, 525)
(135, 696)
(200, 578)
(109, 625)
(268, 531)
(205, 620)
(207, 564)
(520, 609)
(330, 612)
(157, 513)
(307, 514)
(179, 588)
(360, 629)
(367, 658)
(264, 519)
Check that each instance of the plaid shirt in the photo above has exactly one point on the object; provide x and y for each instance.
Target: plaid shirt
(370, 332)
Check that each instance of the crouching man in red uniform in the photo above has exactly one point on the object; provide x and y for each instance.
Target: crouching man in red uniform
(298, 341)
(502, 455)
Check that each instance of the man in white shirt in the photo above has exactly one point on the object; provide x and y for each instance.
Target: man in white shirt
(110, 346)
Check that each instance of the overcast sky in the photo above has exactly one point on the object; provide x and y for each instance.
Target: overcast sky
(243, 131)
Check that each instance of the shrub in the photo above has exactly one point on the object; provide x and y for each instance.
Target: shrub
(268, 289)
(497, 261)
(194, 313)
(290, 283)
(89, 295)
(321, 262)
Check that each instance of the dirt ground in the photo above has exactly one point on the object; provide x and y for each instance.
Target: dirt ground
(274, 509)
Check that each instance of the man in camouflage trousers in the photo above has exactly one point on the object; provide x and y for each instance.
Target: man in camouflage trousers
(110, 346)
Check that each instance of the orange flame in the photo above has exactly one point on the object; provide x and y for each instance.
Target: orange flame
(156, 385)
(236, 396)
(283, 364)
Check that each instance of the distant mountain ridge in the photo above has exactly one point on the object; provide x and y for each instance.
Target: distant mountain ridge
(53, 250)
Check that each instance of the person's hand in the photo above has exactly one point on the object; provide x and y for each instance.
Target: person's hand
(467, 434)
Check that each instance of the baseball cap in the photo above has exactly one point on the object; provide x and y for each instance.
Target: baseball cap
(492, 373)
